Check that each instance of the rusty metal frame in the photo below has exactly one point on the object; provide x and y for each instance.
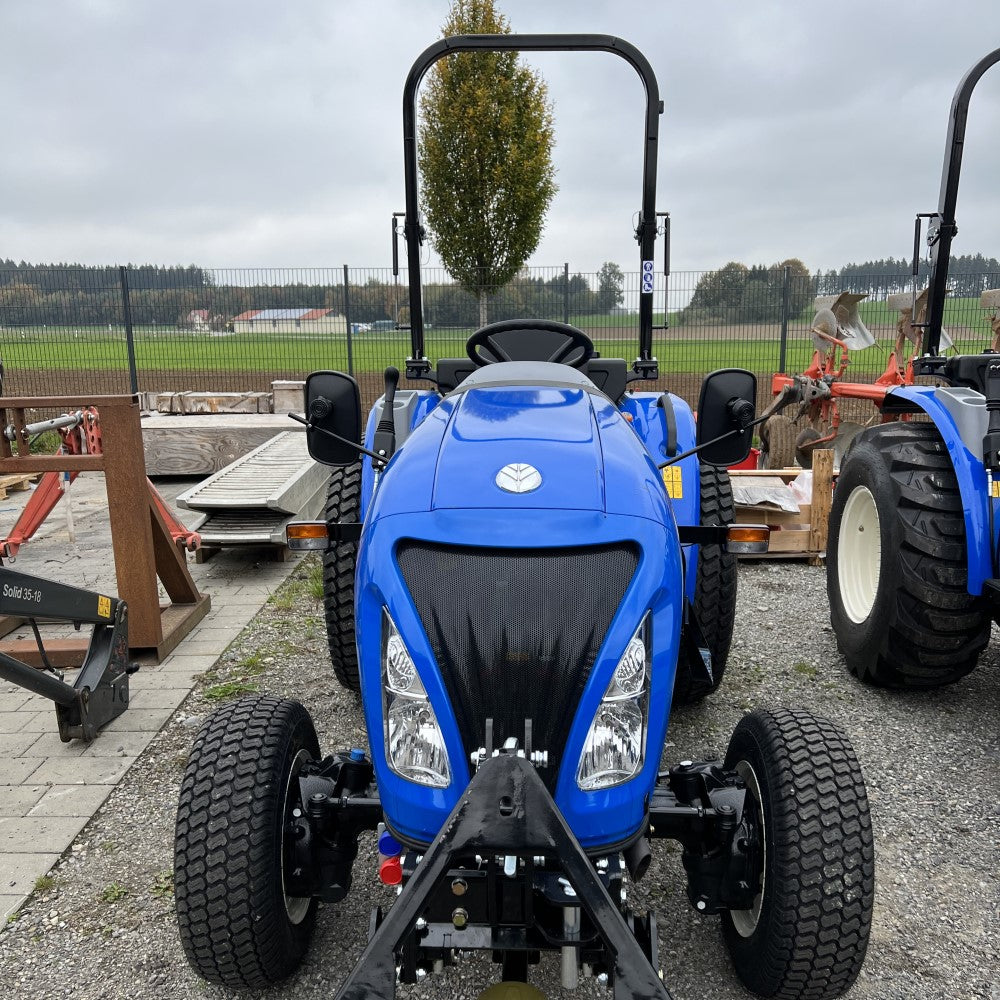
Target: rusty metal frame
(143, 547)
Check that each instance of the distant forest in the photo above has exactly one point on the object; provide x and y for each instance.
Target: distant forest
(66, 294)
(968, 276)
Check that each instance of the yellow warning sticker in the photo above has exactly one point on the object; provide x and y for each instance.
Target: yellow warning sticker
(673, 482)
(996, 489)
(103, 606)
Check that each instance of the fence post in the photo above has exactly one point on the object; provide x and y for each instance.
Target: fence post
(786, 278)
(566, 292)
(347, 316)
(133, 377)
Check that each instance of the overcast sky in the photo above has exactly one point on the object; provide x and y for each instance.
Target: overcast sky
(236, 133)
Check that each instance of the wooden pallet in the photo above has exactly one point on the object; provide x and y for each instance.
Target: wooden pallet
(801, 535)
(16, 484)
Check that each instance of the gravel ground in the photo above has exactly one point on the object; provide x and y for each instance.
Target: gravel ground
(105, 928)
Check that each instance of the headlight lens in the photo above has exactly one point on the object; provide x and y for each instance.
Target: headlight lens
(414, 744)
(616, 742)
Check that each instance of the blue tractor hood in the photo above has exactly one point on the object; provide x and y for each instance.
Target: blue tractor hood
(517, 436)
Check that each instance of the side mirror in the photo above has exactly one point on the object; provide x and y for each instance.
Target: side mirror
(333, 404)
(726, 410)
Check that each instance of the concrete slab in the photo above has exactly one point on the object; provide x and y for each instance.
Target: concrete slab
(80, 771)
(70, 800)
(21, 871)
(35, 834)
(18, 800)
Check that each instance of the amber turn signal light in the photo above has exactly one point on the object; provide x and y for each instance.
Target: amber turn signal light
(302, 536)
(747, 539)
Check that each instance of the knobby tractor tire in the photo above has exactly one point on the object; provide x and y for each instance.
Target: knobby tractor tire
(343, 503)
(236, 924)
(805, 936)
(778, 436)
(897, 568)
(715, 588)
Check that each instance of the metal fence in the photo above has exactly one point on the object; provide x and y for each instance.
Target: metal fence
(122, 329)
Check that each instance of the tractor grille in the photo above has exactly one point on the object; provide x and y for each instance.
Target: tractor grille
(516, 632)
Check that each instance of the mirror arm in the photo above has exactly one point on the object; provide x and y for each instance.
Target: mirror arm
(705, 444)
(379, 459)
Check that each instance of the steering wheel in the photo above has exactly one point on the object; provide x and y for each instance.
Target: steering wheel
(530, 340)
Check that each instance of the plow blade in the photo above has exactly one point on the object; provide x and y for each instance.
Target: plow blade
(837, 318)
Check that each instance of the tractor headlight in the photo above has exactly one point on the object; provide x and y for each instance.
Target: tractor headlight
(413, 742)
(616, 743)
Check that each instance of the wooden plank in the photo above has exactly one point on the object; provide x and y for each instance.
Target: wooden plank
(789, 540)
(196, 445)
(785, 474)
(819, 516)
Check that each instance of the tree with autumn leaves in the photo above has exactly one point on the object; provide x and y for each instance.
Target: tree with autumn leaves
(485, 154)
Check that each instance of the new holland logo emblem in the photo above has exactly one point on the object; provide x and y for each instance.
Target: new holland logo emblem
(518, 478)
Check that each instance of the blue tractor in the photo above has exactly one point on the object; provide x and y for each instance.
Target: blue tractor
(525, 564)
(913, 571)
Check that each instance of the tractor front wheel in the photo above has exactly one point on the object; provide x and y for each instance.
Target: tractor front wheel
(238, 925)
(897, 568)
(806, 933)
(343, 503)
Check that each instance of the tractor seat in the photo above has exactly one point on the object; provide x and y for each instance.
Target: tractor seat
(605, 375)
(526, 373)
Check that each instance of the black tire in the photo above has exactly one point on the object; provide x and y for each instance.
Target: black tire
(806, 936)
(237, 926)
(715, 589)
(343, 503)
(803, 453)
(778, 436)
(899, 600)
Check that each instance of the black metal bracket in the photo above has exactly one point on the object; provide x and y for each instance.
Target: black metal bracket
(644, 368)
(100, 692)
(696, 650)
(505, 810)
(703, 534)
(345, 531)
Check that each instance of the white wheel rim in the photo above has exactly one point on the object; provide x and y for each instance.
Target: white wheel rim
(297, 907)
(745, 921)
(859, 554)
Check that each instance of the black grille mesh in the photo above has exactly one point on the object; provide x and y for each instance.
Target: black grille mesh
(516, 632)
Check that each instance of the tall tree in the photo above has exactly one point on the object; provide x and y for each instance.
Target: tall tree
(610, 286)
(485, 155)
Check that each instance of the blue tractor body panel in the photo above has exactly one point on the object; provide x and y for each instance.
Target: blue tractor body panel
(971, 475)
(600, 486)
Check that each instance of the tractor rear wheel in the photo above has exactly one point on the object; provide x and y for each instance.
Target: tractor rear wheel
(778, 437)
(803, 451)
(238, 926)
(897, 568)
(806, 933)
(343, 503)
(715, 588)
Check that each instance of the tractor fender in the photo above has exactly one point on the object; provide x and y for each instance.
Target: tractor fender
(960, 416)
(410, 408)
(665, 424)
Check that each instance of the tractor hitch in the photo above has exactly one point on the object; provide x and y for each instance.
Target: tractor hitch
(506, 826)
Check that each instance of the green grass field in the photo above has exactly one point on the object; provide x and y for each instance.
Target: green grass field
(681, 349)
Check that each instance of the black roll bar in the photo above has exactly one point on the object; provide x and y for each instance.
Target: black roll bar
(942, 227)
(417, 365)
